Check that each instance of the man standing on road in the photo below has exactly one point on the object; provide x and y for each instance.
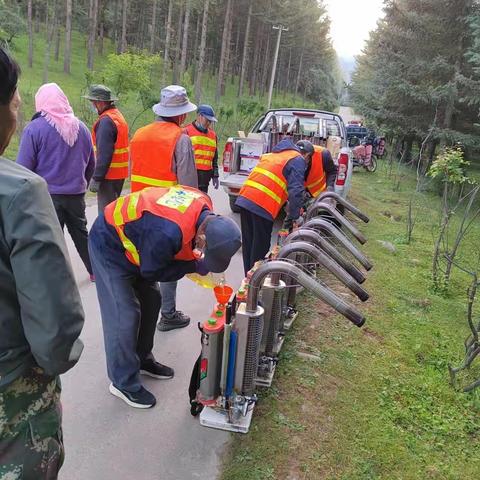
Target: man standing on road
(110, 139)
(41, 315)
(162, 156)
(204, 141)
(279, 176)
(322, 172)
(156, 234)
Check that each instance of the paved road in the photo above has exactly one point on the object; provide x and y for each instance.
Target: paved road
(348, 114)
(107, 440)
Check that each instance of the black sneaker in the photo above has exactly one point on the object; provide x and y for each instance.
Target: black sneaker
(141, 399)
(170, 322)
(156, 370)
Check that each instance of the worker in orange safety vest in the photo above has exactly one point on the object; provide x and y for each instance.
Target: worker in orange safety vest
(110, 141)
(156, 234)
(162, 156)
(279, 176)
(204, 141)
(322, 172)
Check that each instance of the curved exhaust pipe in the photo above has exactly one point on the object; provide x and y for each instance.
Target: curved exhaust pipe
(321, 242)
(319, 290)
(333, 212)
(349, 206)
(325, 261)
(331, 229)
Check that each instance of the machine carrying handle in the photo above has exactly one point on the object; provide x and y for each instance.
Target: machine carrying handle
(320, 291)
(318, 207)
(349, 206)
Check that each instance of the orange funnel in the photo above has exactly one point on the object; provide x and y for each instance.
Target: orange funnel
(223, 293)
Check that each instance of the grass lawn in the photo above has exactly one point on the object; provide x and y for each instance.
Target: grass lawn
(373, 403)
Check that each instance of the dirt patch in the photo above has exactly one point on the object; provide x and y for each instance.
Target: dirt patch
(371, 334)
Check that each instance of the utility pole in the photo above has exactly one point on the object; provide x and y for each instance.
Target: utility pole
(280, 29)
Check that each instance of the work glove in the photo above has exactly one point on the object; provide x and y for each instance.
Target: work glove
(298, 222)
(94, 186)
(201, 268)
(215, 182)
(287, 223)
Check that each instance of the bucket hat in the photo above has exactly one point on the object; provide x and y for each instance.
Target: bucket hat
(100, 93)
(173, 102)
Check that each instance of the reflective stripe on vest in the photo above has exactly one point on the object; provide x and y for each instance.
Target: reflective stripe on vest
(118, 169)
(266, 186)
(316, 181)
(181, 205)
(151, 151)
(204, 147)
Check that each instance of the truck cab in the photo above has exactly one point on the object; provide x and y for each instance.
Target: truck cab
(242, 153)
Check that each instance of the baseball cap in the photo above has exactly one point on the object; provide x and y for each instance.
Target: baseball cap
(223, 239)
(207, 112)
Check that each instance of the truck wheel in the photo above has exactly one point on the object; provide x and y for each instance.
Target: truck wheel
(233, 207)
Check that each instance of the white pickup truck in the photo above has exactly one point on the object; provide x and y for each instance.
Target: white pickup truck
(242, 153)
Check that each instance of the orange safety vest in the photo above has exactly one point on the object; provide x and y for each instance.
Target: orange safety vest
(266, 185)
(316, 181)
(204, 147)
(181, 205)
(152, 149)
(118, 169)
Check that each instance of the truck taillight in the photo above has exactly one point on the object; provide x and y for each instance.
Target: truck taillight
(342, 169)
(227, 156)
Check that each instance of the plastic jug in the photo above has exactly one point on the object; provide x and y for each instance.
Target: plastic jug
(210, 280)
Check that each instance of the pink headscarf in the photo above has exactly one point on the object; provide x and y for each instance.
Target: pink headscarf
(53, 104)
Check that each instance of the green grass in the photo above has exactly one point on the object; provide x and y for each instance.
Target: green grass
(375, 403)
(74, 85)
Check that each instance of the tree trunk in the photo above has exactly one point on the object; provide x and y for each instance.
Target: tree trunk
(201, 54)
(115, 25)
(58, 35)
(197, 42)
(254, 69)
(37, 18)
(223, 52)
(300, 66)
(68, 37)
(228, 51)
(101, 37)
(167, 42)
(245, 51)
(48, 47)
(266, 64)
(92, 33)
(186, 24)
(30, 34)
(123, 41)
(154, 27)
(176, 62)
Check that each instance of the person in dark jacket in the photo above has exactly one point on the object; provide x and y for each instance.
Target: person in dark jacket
(278, 177)
(110, 139)
(57, 146)
(41, 315)
(153, 235)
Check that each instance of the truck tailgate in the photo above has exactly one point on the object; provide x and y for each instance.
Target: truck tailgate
(234, 180)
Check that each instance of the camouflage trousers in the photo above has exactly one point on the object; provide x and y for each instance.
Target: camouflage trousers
(31, 446)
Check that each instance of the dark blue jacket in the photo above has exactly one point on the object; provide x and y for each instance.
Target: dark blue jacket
(295, 173)
(157, 240)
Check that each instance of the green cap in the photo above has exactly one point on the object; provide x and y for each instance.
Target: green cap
(218, 313)
(212, 321)
(100, 93)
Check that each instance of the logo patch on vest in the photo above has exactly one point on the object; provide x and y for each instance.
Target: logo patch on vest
(178, 199)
